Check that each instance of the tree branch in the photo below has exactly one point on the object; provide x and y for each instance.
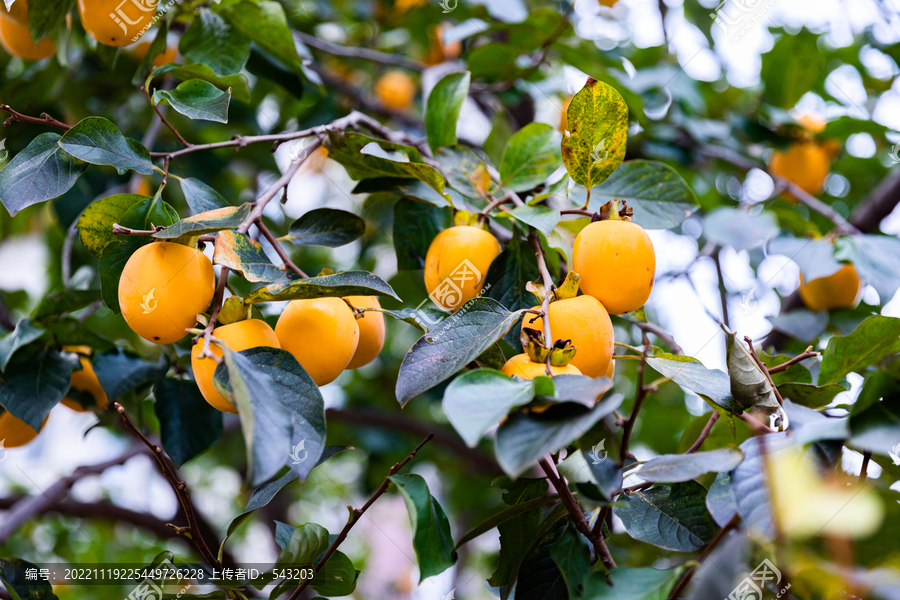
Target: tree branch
(689, 574)
(639, 396)
(288, 263)
(44, 119)
(704, 433)
(661, 334)
(808, 353)
(180, 488)
(31, 506)
(164, 120)
(574, 510)
(364, 53)
(356, 514)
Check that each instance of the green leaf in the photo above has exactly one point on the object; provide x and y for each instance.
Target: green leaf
(212, 41)
(540, 217)
(524, 438)
(538, 575)
(735, 227)
(572, 554)
(95, 223)
(411, 189)
(809, 426)
(307, 542)
(239, 85)
(120, 371)
(787, 70)
(24, 333)
(749, 385)
(466, 409)
(36, 379)
(506, 515)
(72, 332)
(197, 99)
(711, 384)
(801, 324)
(157, 47)
(750, 486)
(661, 199)
(670, 517)
(337, 576)
(381, 159)
(327, 227)
(143, 215)
(99, 142)
(282, 412)
(518, 533)
(444, 351)
(465, 170)
(188, 424)
(12, 572)
(875, 338)
(416, 224)
(46, 16)
(264, 23)
(241, 253)
(40, 172)
(877, 260)
(531, 156)
(347, 283)
(809, 395)
(217, 219)
(643, 583)
(442, 111)
(597, 130)
(671, 468)
(720, 500)
(199, 196)
(431, 529)
(64, 301)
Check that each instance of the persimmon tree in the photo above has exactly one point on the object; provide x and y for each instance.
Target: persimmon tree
(505, 338)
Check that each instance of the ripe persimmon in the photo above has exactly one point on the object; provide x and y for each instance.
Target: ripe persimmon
(115, 23)
(241, 335)
(163, 287)
(839, 290)
(321, 333)
(524, 367)
(16, 39)
(616, 261)
(806, 162)
(446, 264)
(85, 380)
(371, 331)
(395, 90)
(15, 432)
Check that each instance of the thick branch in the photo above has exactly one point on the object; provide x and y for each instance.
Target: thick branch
(639, 396)
(180, 488)
(357, 513)
(31, 506)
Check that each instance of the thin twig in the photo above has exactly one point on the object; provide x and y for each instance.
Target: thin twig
(278, 249)
(364, 53)
(757, 426)
(44, 119)
(162, 118)
(178, 486)
(661, 334)
(689, 574)
(703, 434)
(357, 513)
(639, 396)
(577, 211)
(867, 455)
(574, 510)
(723, 291)
(808, 353)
